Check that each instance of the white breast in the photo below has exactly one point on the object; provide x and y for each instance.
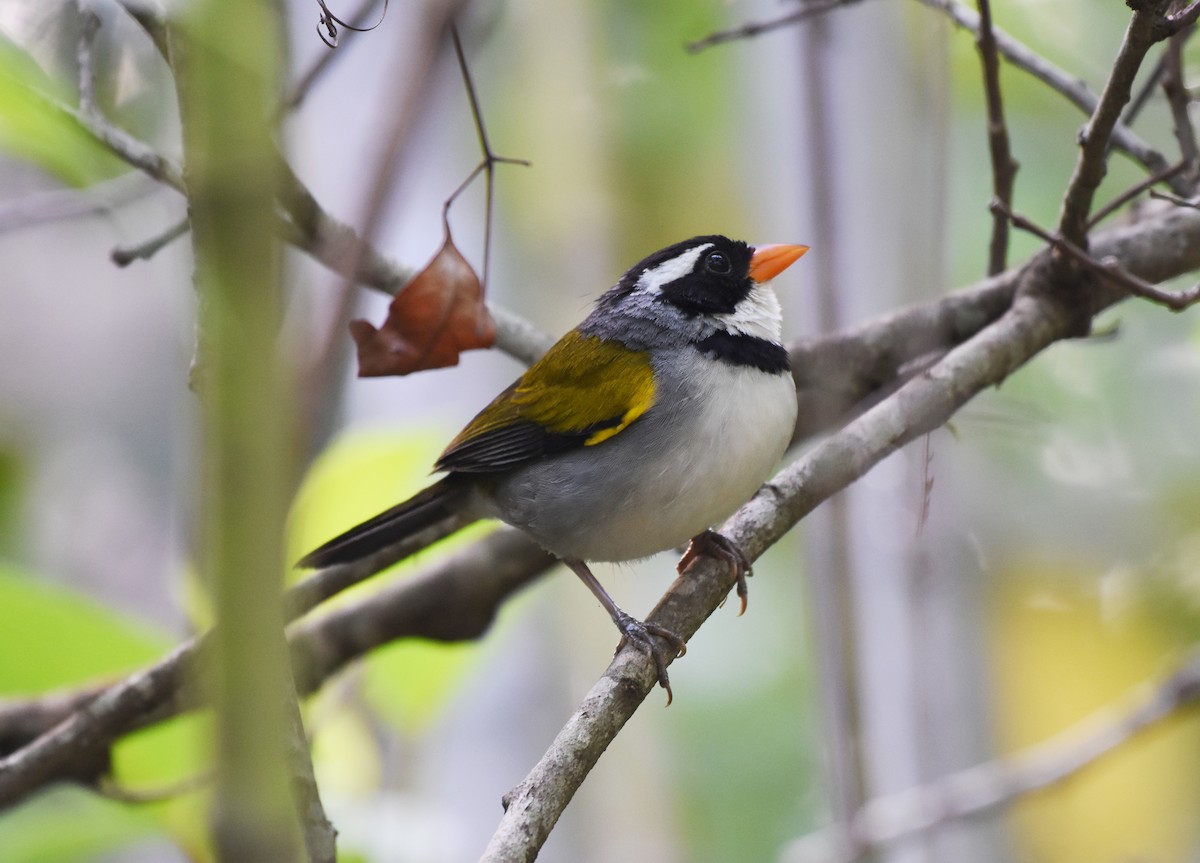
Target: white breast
(713, 437)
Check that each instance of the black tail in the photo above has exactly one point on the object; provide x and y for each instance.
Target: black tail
(420, 511)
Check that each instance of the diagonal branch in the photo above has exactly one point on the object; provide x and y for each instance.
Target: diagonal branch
(1092, 163)
(756, 28)
(456, 597)
(1000, 783)
(1037, 318)
(1004, 167)
(1178, 99)
(1070, 86)
(1109, 267)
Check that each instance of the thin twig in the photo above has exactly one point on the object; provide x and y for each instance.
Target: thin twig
(490, 159)
(89, 26)
(757, 28)
(1132, 192)
(926, 483)
(1092, 163)
(123, 145)
(991, 785)
(1185, 17)
(305, 82)
(328, 23)
(1192, 202)
(123, 256)
(1109, 266)
(1145, 92)
(1175, 88)
(57, 204)
(1004, 167)
(1074, 89)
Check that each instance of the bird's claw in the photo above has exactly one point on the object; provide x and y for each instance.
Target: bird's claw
(712, 544)
(641, 635)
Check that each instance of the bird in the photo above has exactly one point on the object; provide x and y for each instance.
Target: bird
(650, 422)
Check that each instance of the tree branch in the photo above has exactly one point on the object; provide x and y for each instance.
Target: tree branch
(1000, 783)
(1004, 167)
(1092, 164)
(1109, 267)
(1038, 317)
(756, 28)
(455, 597)
(1070, 86)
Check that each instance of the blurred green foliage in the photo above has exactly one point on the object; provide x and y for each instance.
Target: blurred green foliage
(51, 638)
(35, 129)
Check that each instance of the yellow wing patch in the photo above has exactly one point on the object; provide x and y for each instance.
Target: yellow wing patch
(582, 383)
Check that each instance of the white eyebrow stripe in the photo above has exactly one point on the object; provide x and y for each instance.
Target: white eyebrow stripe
(652, 280)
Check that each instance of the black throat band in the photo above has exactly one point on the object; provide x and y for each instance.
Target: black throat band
(740, 349)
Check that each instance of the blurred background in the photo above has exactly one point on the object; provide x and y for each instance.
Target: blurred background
(1056, 568)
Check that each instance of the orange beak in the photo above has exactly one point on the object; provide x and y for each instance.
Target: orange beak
(767, 262)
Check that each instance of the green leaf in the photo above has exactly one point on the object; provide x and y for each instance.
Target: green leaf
(50, 638)
(160, 760)
(69, 825)
(34, 129)
(360, 474)
(411, 681)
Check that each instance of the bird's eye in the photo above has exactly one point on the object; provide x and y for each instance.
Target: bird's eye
(718, 262)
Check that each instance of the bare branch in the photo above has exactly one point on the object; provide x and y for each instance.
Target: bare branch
(757, 28)
(1109, 267)
(1092, 163)
(123, 256)
(1070, 86)
(1004, 167)
(1193, 202)
(490, 159)
(1142, 97)
(454, 598)
(1000, 783)
(123, 145)
(69, 203)
(1132, 192)
(1184, 18)
(89, 26)
(1179, 100)
(1037, 318)
(304, 84)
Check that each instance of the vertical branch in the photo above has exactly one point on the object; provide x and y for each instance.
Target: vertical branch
(1178, 99)
(1004, 167)
(1091, 165)
(89, 26)
(227, 77)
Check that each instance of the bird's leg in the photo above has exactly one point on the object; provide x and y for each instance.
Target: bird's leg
(637, 632)
(716, 545)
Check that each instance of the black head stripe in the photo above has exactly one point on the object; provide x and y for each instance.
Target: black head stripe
(719, 280)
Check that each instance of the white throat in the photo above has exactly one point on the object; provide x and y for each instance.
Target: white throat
(757, 315)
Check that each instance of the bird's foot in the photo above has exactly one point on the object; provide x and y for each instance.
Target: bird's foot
(712, 544)
(641, 635)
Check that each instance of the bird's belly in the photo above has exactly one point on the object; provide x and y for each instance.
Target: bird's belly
(663, 480)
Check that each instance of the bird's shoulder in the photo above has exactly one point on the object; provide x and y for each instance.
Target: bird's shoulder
(585, 390)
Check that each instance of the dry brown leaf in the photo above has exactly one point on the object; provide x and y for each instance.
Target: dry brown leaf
(437, 316)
